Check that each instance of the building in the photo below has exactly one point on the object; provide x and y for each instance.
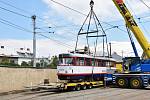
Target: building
(18, 56)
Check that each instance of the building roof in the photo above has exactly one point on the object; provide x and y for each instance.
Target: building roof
(117, 57)
(18, 52)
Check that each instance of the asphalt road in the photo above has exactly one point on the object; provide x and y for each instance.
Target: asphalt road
(91, 94)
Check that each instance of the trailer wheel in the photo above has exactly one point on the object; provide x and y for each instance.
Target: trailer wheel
(78, 87)
(135, 83)
(73, 88)
(89, 86)
(84, 87)
(122, 82)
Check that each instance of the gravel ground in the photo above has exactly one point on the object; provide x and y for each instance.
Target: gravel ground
(91, 94)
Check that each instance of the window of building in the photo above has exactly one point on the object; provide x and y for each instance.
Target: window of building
(2, 47)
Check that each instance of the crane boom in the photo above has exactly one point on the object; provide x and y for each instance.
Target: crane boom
(132, 25)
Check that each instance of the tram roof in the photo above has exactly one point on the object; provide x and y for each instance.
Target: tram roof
(85, 56)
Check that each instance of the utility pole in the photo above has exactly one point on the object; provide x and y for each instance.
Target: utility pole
(110, 50)
(34, 40)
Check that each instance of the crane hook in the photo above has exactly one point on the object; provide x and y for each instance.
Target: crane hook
(91, 3)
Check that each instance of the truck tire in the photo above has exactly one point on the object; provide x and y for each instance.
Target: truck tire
(89, 86)
(84, 87)
(78, 87)
(122, 82)
(73, 88)
(136, 83)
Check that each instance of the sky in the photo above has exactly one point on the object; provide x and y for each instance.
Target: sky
(64, 24)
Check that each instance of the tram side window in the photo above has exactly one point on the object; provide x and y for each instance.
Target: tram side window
(69, 61)
(80, 61)
(96, 62)
(100, 63)
(93, 62)
(107, 63)
(88, 62)
(103, 63)
(110, 64)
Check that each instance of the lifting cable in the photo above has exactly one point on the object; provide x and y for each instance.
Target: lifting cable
(97, 23)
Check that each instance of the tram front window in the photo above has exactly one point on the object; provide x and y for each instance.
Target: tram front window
(66, 61)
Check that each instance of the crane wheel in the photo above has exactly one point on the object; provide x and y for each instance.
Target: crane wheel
(135, 83)
(122, 82)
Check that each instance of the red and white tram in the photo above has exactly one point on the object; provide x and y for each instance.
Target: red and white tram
(84, 67)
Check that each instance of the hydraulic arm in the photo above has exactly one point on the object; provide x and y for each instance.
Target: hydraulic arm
(132, 25)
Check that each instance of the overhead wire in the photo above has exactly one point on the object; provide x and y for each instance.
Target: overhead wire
(82, 13)
(22, 10)
(57, 3)
(101, 21)
(12, 24)
(58, 42)
(145, 4)
(8, 23)
(56, 34)
(40, 17)
(3, 21)
(15, 12)
(1, 1)
(137, 18)
(68, 7)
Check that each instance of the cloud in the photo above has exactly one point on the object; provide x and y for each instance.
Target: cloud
(47, 47)
(106, 11)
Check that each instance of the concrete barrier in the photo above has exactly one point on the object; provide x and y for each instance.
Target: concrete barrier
(17, 78)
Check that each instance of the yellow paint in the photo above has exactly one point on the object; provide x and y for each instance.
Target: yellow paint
(119, 67)
(98, 83)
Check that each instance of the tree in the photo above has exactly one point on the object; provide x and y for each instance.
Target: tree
(24, 63)
(54, 62)
(8, 62)
(5, 60)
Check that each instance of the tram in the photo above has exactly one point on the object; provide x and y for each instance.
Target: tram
(74, 66)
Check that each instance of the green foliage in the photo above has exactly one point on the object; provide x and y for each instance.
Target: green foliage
(5, 60)
(24, 63)
(54, 62)
(38, 65)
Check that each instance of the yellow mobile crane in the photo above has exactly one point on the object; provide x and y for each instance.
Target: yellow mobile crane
(138, 75)
(132, 25)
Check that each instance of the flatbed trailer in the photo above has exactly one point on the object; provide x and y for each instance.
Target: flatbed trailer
(71, 86)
